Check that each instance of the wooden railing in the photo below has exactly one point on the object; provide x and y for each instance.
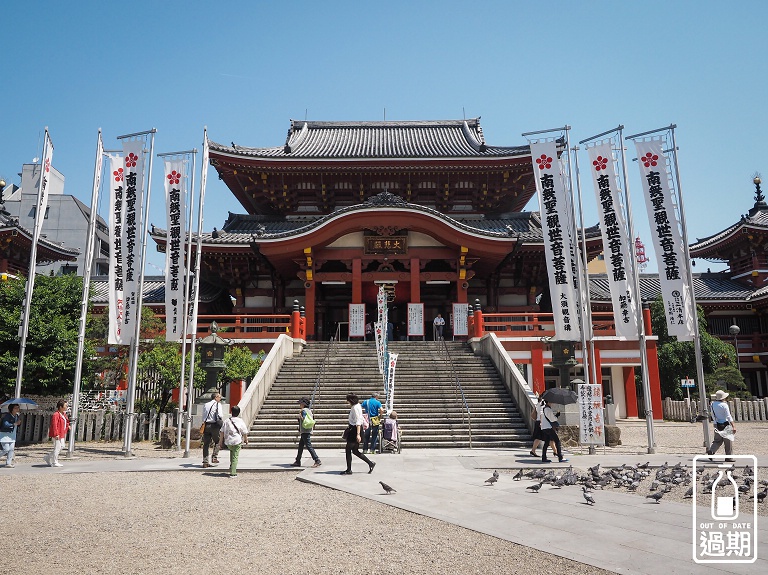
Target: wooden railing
(250, 326)
(529, 324)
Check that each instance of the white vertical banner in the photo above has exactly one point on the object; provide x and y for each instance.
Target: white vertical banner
(133, 164)
(116, 217)
(416, 319)
(559, 241)
(391, 380)
(459, 319)
(616, 240)
(357, 320)
(591, 424)
(175, 269)
(667, 239)
(42, 190)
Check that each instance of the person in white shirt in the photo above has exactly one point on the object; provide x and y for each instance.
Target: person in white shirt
(213, 421)
(721, 416)
(352, 434)
(234, 433)
(547, 418)
(439, 325)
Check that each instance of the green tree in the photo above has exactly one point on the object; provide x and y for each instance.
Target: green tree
(160, 364)
(677, 359)
(240, 364)
(51, 350)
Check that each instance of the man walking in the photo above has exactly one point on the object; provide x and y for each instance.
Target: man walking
(439, 323)
(213, 421)
(721, 416)
(306, 425)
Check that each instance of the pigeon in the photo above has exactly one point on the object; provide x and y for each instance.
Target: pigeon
(644, 465)
(387, 488)
(689, 493)
(518, 476)
(535, 488)
(594, 470)
(656, 496)
(761, 495)
(589, 499)
(654, 485)
(492, 479)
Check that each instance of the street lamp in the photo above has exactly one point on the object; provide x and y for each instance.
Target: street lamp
(734, 330)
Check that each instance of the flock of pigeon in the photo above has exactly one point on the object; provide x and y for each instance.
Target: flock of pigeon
(630, 477)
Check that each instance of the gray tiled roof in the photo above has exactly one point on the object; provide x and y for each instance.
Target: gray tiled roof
(707, 287)
(356, 140)
(759, 219)
(154, 290)
(9, 222)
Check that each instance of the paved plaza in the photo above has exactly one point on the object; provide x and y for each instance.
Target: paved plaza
(622, 533)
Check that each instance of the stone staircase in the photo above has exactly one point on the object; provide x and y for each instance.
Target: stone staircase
(429, 407)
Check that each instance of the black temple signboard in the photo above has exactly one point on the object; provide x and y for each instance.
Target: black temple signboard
(386, 245)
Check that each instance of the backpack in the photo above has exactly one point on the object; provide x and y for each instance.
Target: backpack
(307, 424)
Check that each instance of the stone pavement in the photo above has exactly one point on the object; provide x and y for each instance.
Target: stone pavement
(621, 533)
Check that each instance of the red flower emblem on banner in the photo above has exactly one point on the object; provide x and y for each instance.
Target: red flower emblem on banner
(118, 175)
(131, 159)
(600, 163)
(47, 164)
(544, 162)
(174, 177)
(649, 160)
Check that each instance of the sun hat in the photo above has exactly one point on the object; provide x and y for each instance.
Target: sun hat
(720, 395)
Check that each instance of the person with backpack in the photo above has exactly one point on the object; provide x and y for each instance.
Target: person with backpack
(306, 425)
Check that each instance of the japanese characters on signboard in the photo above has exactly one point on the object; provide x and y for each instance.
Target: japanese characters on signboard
(357, 320)
(416, 319)
(591, 424)
(459, 318)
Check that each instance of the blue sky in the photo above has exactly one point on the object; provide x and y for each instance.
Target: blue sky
(244, 68)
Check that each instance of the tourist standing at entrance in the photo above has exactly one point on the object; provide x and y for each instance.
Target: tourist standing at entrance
(58, 432)
(9, 423)
(439, 325)
(352, 434)
(212, 429)
(548, 422)
(368, 331)
(373, 408)
(234, 433)
(721, 416)
(305, 432)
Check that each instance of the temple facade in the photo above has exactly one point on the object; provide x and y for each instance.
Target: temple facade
(427, 209)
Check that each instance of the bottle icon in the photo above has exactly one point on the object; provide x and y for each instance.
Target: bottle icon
(725, 507)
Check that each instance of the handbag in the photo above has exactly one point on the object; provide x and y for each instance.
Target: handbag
(375, 420)
(345, 434)
(308, 423)
(202, 426)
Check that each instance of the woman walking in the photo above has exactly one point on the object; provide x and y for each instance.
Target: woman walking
(352, 434)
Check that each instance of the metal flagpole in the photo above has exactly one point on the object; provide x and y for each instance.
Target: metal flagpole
(25, 311)
(86, 290)
(585, 316)
(689, 275)
(196, 288)
(590, 335)
(185, 313)
(133, 364)
(639, 303)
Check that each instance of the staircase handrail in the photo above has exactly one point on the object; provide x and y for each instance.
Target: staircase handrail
(443, 348)
(257, 391)
(321, 371)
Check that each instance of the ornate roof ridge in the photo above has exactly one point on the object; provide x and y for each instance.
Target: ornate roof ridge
(473, 122)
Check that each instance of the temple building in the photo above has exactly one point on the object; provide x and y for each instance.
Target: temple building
(427, 209)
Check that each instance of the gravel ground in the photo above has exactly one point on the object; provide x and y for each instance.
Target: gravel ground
(141, 522)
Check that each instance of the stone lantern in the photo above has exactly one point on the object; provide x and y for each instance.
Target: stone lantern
(564, 358)
(212, 349)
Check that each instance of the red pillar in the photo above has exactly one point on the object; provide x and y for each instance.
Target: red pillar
(357, 281)
(537, 362)
(478, 324)
(630, 391)
(598, 368)
(653, 367)
(295, 320)
(415, 285)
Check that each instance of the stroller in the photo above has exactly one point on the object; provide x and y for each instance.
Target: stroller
(390, 440)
